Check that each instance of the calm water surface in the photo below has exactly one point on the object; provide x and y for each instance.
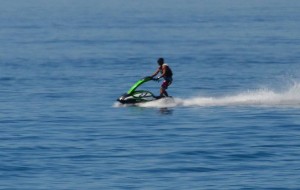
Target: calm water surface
(234, 123)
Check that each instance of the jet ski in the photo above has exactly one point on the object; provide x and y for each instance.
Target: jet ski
(134, 96)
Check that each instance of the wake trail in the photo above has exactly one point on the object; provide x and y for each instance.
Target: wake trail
(260, 97)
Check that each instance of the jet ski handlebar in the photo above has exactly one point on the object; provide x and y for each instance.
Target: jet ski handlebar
(151, 78)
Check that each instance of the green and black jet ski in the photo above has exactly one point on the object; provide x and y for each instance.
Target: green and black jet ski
(134, 96)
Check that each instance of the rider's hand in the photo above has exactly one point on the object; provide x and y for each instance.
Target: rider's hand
(156, 79)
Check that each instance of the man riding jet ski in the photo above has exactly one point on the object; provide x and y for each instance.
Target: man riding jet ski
(140, 96)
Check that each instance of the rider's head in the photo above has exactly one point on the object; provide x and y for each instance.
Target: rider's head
(160, 61)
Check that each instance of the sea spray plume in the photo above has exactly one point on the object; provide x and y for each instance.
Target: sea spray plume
(289, 97)
(161, 103)
(292, 95)
(259, 97)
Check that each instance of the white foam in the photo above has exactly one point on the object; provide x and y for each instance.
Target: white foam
(264, 97)
(161, 103)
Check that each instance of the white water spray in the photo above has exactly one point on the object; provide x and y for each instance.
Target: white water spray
(259, 97)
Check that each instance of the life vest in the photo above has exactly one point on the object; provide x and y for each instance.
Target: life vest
(169, 72)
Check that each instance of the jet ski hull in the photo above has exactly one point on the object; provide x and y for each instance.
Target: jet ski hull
(137, 97)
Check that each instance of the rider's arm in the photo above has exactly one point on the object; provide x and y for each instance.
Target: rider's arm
(156, 72)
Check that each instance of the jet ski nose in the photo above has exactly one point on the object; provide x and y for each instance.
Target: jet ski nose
(122, 98)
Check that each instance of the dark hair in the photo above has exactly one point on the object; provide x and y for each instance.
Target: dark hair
(160, 61)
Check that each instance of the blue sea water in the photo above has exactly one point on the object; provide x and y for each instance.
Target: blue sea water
(234, 122)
